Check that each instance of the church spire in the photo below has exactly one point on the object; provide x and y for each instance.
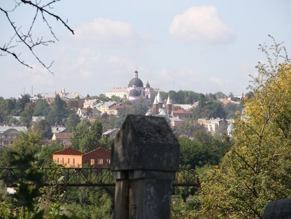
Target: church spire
(169, 101)
(135, 74)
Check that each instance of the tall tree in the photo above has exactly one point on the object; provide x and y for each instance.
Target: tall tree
(41, 108)
(257, 169)
(72, 122)
(58, 113)
(86, 135)
(43, 128)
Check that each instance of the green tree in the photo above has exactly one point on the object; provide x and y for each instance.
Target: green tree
(231, 109)
(21, 102)
(72, 122)
(139, 108)
(86, 135)
(257, 168)
(58, 113)
(220, 95)
(43, 128)
(41, 108)
(25, 117)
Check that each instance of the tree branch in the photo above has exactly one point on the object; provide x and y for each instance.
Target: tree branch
(26, 39)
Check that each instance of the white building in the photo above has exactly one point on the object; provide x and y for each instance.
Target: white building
(118, 92)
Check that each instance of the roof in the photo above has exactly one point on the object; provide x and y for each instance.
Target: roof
(109, 131)
(98, 149)
(182, 111)
(135, 81)
(109, 104)
(64, 135)
(159, 98)
(18, 128)
(118, 107)
(185, 106)
(56, 129)
(225, 101)
(148, 85)
(69, 151)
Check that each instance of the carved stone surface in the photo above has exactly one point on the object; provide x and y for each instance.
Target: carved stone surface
(145, 142)
(280, 209)
(145, 157)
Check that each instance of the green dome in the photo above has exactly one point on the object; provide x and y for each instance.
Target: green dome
(135, 81)
(134, 93)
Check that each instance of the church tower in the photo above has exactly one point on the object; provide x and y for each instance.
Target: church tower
(169, 106)
(159, 100)
(155, 107)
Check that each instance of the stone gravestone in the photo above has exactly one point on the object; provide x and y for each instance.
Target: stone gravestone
(280, 209)
(144, 160)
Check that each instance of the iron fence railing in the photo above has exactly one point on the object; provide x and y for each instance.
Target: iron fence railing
(87, 176)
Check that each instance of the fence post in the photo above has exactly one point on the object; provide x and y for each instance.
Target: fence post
(145, 158)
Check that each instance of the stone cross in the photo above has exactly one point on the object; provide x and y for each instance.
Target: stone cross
(144, 160)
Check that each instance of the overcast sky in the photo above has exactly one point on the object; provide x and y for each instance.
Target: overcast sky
(205, 46)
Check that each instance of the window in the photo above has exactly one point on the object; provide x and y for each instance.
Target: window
(68, 160)
(73, 160)
(100, 161)
(63, 161)
(92, 162)
(58, 160)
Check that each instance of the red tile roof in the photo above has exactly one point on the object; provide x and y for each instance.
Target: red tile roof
(69, 151)
(182, 111)
(98, 149)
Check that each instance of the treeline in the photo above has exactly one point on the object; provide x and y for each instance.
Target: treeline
(61, 113)
(34, 200)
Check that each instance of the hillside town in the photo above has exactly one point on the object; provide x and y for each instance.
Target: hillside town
(178, 108)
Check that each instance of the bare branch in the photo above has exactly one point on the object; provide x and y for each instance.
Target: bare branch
(27, 38)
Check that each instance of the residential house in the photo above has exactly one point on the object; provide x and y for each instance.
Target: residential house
(104, 107)
(182, 114)
(184, 106)
(115, 109)
(211, 125)
(70, 157)
(64, 137)
(58, 129)
(90, 103)
(82, 112)
(96, 158)
(175, 122)
(8, 134)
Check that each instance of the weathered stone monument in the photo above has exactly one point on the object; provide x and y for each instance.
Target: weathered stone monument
(279, 209)
(145, 158)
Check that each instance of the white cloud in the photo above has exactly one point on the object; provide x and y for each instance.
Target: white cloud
(217, 81)
(171, 79)
(201, 24)
(108, 32)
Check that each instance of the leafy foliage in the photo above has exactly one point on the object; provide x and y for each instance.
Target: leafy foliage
(86, 136)
(257, 169)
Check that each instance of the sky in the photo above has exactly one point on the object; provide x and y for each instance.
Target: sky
(203, 46)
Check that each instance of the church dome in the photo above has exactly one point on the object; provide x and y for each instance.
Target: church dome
(135, 82)
(134, 93)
